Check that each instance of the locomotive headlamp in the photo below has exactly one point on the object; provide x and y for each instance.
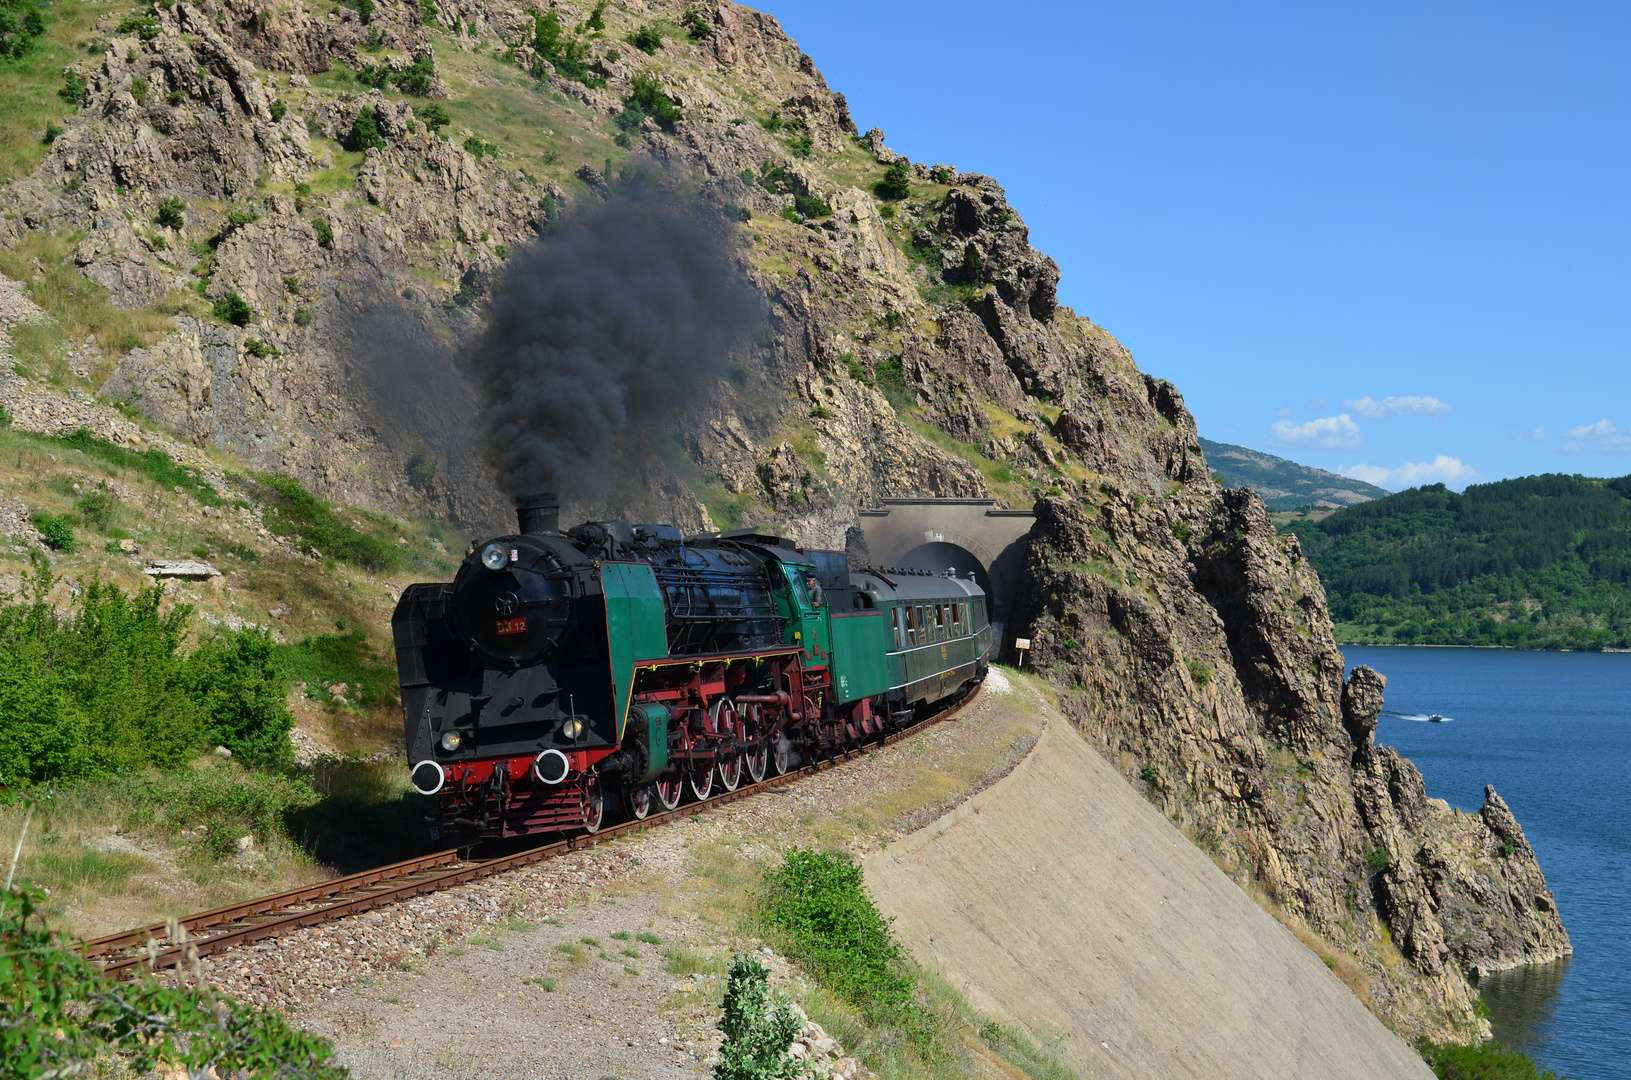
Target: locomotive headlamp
(452, 740)
(494, 556)
(572, 728)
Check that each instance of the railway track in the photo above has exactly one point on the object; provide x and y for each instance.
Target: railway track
(150, 948)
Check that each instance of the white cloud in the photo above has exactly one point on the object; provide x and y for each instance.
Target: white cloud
(1441, 470)
(1539, 434)
(1398, 406)
(1603, 436)
(1333, 432)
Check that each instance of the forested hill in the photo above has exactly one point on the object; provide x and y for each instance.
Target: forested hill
(1543, 562)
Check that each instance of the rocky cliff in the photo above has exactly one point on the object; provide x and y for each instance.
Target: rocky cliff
(311, 205)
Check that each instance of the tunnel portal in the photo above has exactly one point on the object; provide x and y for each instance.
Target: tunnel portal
(969, 535)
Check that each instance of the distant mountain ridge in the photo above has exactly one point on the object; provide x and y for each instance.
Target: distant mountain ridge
(1282, 484)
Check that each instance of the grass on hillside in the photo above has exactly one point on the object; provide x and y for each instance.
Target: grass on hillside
(29, 83)
(79, 307)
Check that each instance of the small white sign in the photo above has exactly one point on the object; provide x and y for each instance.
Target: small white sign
(1022, 643)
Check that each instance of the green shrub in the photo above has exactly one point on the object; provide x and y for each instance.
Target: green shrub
(773, 122)
(890, 376)
(759, 1028)
(428, 12)
(374, 75)
(363, 8)
(280, 109)
(259, 349)
(143, 26)
(597, 17)
(801, 145)
(1149, 774)
(57, 531)
(647, 38)
(20, 24)
(1484, 1062)
(1378, 857)
(108, 690)
(73, 87)
(239, 218)
(1199, 672)
(819, 901)
(364, 133)
(63, 1017)
(172, 213)
(233, 309)
(433, 116)
(647, 99)
(811, 206)
(238, 679)
(302, 317)
(138, 90)
(324, 231)
(417, 77)
(293, 511)
(896, 182)
(98, 507)
(696, 24)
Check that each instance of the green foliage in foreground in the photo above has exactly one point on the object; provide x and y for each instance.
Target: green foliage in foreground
(291, 510)
(1485, 1062)
(758, 1030)
(109, 690)
(59, 1015)
(1543, 562)
(820, 902)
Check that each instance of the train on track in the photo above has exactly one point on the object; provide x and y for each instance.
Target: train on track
(616, 669)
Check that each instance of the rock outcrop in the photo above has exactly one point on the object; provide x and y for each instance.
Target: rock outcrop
(1196, 651)
(914, 344)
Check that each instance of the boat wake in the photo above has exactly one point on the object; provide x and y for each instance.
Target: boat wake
(1420, 718)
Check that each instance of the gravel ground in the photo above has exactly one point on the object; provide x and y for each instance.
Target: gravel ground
(437, 986)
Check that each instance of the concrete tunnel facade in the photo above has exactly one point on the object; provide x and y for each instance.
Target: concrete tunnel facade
(970, 535)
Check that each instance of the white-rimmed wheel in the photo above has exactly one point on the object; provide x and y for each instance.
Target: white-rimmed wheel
(728, 723)
(757, 755)
(641, 801)
(668, 788)
(783, 754)
(700, 781)
(594, 805)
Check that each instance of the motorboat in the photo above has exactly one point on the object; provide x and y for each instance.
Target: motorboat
(1435, 719)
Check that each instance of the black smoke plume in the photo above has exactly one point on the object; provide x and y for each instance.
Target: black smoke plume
(599, 332)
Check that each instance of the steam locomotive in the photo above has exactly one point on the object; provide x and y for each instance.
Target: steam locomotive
(617, 668)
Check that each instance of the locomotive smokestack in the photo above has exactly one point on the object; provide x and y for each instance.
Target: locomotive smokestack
(538, 513)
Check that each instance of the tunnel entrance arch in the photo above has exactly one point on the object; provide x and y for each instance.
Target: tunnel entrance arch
(969, 534)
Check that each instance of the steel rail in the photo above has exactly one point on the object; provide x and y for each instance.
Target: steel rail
(326, 901)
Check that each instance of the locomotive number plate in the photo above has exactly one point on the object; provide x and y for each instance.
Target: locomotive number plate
(510, 626)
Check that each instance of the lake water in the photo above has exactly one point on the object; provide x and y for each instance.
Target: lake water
(1552, 732)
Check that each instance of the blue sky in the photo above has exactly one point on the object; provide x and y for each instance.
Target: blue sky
(1391, 239)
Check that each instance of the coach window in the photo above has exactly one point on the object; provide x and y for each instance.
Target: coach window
(945, 620)
(900, 642)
